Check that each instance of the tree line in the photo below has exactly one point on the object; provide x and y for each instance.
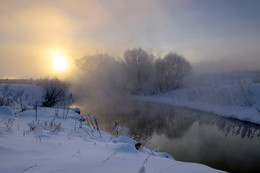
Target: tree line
(137, 73)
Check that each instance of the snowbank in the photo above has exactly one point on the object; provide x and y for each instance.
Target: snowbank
(59, 143)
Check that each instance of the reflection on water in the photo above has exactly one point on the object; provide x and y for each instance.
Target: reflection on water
(188, 135)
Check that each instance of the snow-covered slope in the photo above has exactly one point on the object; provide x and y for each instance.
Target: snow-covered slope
(234, 95)
(59, 143)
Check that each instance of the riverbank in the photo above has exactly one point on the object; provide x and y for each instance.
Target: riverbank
(231, 95)
(58, 142)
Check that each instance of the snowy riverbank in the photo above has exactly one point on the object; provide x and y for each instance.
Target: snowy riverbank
(58, 144)
(229, 95)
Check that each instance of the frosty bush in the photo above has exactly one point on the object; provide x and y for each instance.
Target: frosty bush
(119, 130)
(56, 92)
(9, 97)
(51, 126)
(93, 122)
(9, 123)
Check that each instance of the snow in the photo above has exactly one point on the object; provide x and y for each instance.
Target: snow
(235, 95)
(44, 146)
(6, 111)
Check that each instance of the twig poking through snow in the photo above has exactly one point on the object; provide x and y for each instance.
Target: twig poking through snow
(75, 154)
(109, 157)
(29, 168)
(142, 169)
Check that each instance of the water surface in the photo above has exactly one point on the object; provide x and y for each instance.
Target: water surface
(188, 135)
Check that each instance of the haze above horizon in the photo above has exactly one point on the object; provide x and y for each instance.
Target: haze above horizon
(213, 35)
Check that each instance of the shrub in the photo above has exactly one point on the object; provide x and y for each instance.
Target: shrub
(56, 92)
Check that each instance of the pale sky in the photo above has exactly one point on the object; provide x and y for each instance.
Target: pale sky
(203, 31)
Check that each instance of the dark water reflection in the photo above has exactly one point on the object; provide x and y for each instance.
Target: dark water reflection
(186, 134)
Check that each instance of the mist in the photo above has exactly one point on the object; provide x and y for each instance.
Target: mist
(111, 80)
(227, 65)
(200, 31)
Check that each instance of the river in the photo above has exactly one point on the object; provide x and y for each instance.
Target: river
(188, 135)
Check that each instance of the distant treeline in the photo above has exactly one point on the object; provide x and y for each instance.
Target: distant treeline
(37, 82)
(17, 81)
(137, 73)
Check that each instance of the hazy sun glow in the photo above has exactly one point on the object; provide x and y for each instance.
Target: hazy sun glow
(59, 61)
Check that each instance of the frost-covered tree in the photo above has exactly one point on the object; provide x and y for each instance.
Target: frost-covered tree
(101, 73)
(170, 71)
(139, 71)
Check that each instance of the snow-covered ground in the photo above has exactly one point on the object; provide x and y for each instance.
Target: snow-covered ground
(58, 142)
(233, 95)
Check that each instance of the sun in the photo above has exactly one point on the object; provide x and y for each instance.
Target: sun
(59, 61)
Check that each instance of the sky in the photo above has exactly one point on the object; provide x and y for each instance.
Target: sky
(214, 35)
